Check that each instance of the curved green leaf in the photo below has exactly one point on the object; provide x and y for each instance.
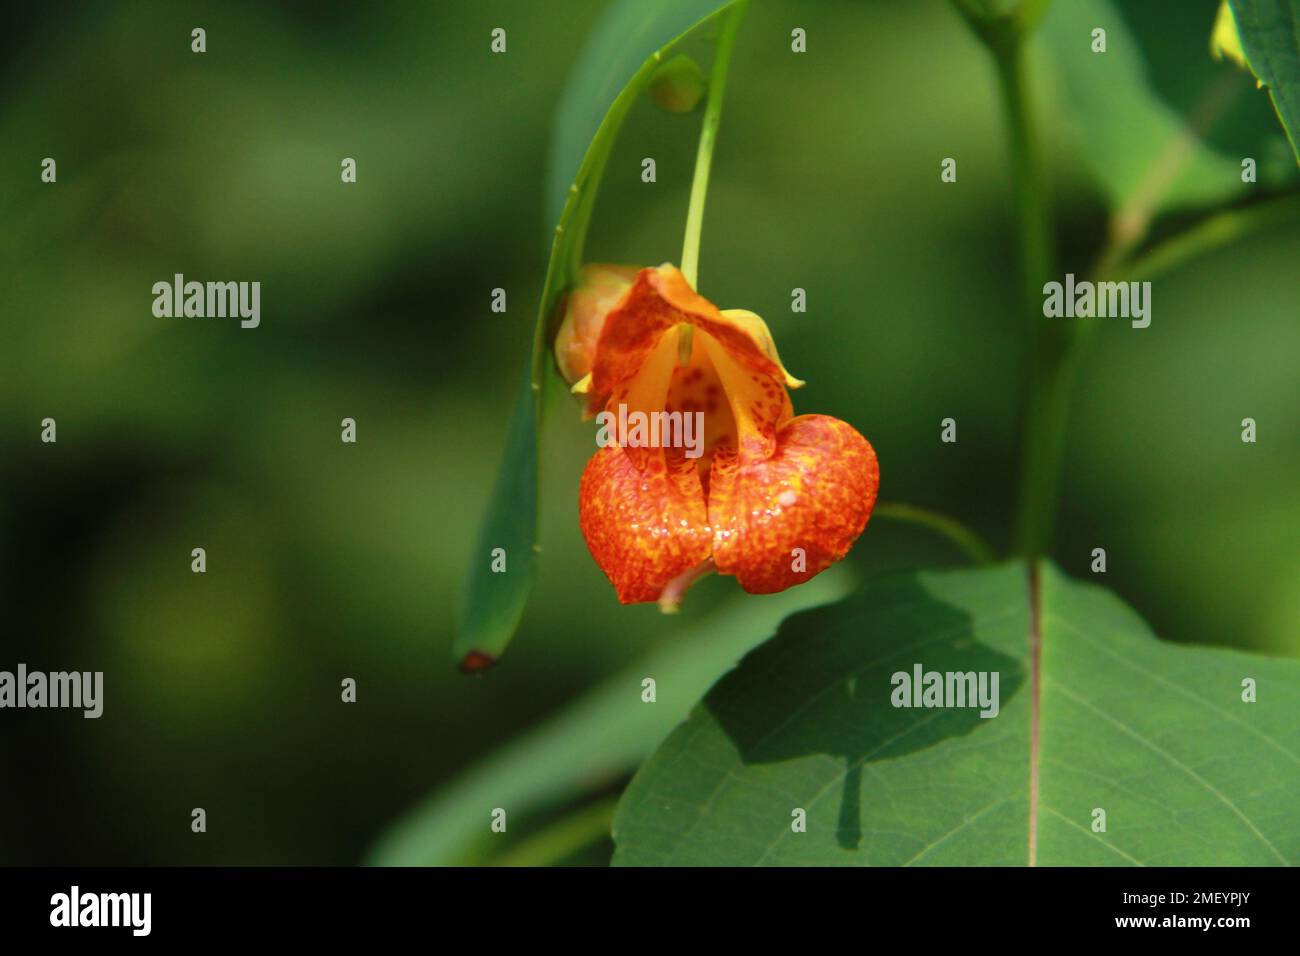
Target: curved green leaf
(1108, 719)
(597, 100)
(1270, 35)
(1156, 111)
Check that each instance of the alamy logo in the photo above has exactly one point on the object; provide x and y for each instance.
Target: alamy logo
(75, 908)
(652, 430)
(75, 689)
(923, 688)
(1084, 300)
(217, 300)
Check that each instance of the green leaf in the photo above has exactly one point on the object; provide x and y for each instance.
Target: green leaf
(615, 67)
(1156, 111)
(494, 602)
(595, 742)
(1270, 35)
(1155, 735)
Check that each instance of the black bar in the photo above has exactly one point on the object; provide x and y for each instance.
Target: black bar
(331, 905)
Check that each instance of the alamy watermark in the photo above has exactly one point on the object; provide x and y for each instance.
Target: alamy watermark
(1086, 299)
(75, 908)
(948, 689)
(220, 300)
(652, 430)
(82, 690)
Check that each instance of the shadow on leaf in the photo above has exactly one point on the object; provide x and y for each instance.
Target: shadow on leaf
(823, 685)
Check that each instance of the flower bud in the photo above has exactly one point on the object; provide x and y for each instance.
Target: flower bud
(678, 85)
(599, 289)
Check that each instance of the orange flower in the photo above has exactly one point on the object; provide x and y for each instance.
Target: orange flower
(761, 494)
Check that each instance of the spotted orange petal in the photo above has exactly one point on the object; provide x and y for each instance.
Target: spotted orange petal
(777, 521)
(645, 520)
(631, 347)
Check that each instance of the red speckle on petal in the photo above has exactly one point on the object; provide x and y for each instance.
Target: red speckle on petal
(643, 528)
(815, 493)
(767, 483)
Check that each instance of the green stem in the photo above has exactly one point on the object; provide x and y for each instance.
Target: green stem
(1130, 223)
(1057, 347)
(708, 134)
(1051, 367)
(564, 837)
(1054, 358)
(970, 543)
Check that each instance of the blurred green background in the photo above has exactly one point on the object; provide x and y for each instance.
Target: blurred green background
(328, 560)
